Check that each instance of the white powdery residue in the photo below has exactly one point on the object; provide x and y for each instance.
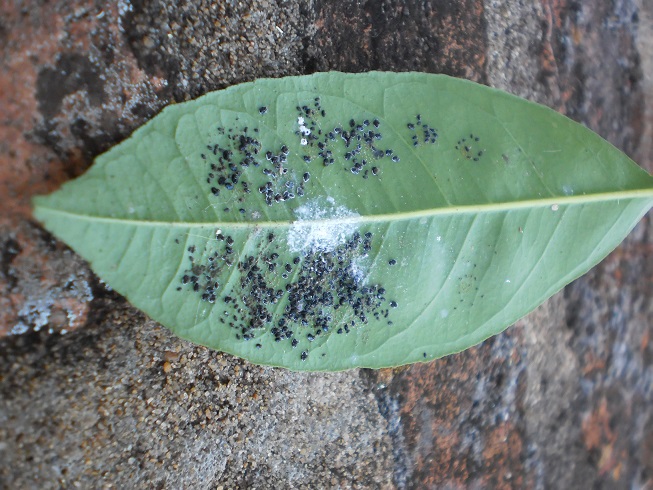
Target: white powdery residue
(303, 129)
(318, 227)
(358, 270)
(568, 190)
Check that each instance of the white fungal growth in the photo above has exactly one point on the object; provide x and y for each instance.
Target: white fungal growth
(320, 226)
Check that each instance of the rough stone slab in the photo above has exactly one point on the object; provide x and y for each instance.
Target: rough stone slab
(139, 408)
(562, 400)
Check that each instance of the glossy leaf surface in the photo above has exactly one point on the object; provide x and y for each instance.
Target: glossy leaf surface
(335, 220)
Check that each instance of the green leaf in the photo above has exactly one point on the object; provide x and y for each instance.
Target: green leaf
(336, 220)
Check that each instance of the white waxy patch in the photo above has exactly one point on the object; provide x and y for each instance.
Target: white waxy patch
(320, 226)
(302, 128)
(357, 269)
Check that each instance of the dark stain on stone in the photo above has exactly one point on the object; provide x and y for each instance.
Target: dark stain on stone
(31, 342)
(46, 239)
(441, 37)
(389, 409)
(46, 348)
(144, 111)
(310, 59)
(104, 302)
(647, 452)
(9, 249)
(470, 428)
(146, 43)
(3, 32)
(72, 72)
(91, 142)
(47, 133)
(609, 101)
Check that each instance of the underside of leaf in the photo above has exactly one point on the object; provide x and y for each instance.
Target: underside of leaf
(336, 220)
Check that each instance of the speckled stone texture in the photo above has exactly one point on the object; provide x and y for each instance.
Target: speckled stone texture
(95, 395)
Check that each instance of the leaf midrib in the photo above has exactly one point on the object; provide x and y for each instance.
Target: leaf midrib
(399, 216)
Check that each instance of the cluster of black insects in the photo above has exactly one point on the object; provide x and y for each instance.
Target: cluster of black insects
(356, 142)
(467, 146)
(356, 146)
(421, 132)
(227, 167)
(320, 291)
(202, 277)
